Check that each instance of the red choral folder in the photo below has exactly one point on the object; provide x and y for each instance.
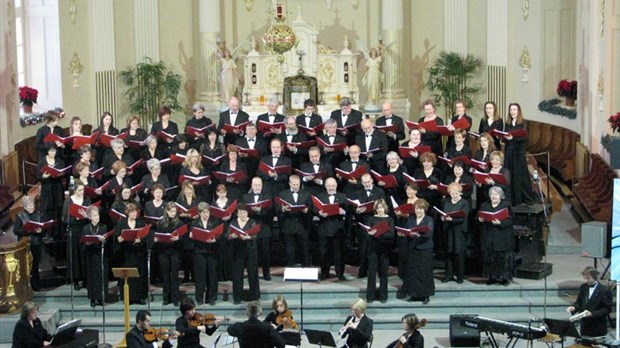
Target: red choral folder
(329, 209)
(517, 133)
(347, 129)
(356, 174)
(389, 179)
(320, 175)
(335, 147)
(264, 204)
(408, 232)
(116, 215)
(387, 128)
(166, 237)
(316, 129)
(152, 219)
(135, 165)
(253, 153)
(265, 168)
(196, 180)
(213, 160)
(381, 228)
(51, 137)
(266, 127)
(251, 232)
(500, 215)
(97, 172)
(231, 129)
(204, 235)
(430, 126)
(292, 207)
(31, 226)
(130, 235)
(422, 183)
(302, 144)
(165, 136)
(466, 161)
(94, 238)
(177, 158)
(79, 211)
(236, 176)
(479, 165)
(357, 204)
(106, 139)
(370, 151)
(193, 131)
(444, 130)
(220, 213)
(461, 123)
(81, 140)
(191, 211)
(90, 191)
(452, 214)
(405, 152)
(53, 172)
(482, 177)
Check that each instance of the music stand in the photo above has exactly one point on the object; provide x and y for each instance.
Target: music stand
(562, 328)
(65, 332)
(301, 275)
(125, 273)
(320, 338)
(291, 337)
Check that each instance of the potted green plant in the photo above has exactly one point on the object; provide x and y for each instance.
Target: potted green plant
(450, 79)
(568, 90)
(612, 143)
(149, 86)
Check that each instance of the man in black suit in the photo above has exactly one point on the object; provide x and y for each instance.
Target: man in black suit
(274, 182)
(252, 141)
(374, 146)
(368, 193)
(254, 333)
(292, 135)
(233, 116)
(309, 119)
(295, 225)
(272, 116)
(331, 230)
(135, 336)
(314, 184)
(352, 185)
(347, 116)
(264, 216)
(331, 137)
(389, 119)
(594, 299)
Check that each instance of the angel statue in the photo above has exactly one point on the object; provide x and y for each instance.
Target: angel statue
(373, 79)
(229, 76)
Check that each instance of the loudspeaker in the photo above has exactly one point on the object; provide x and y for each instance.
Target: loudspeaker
(594, 239)
(461, 336)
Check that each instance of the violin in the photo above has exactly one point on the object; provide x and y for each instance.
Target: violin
(286, 320)
(153, 335)
(207, 319)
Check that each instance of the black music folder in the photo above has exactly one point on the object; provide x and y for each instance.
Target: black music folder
(320, 338)
(562, 328)
(291, 337)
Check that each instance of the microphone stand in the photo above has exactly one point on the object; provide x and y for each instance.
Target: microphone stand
(70, 246)
(148, 276)
(103, 286)
(542, 201)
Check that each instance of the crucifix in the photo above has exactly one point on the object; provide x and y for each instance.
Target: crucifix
(300, 53)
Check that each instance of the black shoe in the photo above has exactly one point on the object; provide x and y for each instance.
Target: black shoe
(212, 303)
(412, 299)
(237, 302)
(165, 303)
(362, 275)
(383, 301)
(459, 281)
(99, 303)
(445, 280)
(267, 278)
(176, 303)
(341, 277)
(92, 303)
(323, 276)
(369, 300)
(76, 286)
(401, 295)
(140, 302)
(505, 282)
(491, 281)
(426, 300)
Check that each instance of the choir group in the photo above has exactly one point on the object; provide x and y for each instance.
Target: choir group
(204, 198)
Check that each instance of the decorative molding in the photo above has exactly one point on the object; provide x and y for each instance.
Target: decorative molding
(248, 5)
(602, 9)
(329, 4)
(355, 4)
(525, 63)
(73, 11)
(601, 90)
(552, 106)
(526, 9)
(76, 68)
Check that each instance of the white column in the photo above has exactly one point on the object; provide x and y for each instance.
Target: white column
(392, 25)
(455, 26)
(9, 100)
(104, 58)
(209, 16)
(146, 29)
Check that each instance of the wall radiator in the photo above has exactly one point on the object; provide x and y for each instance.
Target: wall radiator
(496, 82)
(105, 82)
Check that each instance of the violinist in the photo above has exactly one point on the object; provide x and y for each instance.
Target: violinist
(135, 337)
(281, 318)
(357, 328)
(190, 324)
(412, 338)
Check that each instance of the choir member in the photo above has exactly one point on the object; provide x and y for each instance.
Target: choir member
(389, 119)
(347, 120)
(165, 124)
(51, 126)
(315, 165)
(252, 141)
(153, 149)
(154, 177)
(331, 137)
(275, 182)
(373, 146)
(198, 121)
(271, 116)
(290, 138)
(309, 118)
(491, 120)
(74, 229)
(516, 163)
(497, 167)
(135, 136)
(169, 254)
(192, 166)
(460, 108)
(206, 261)
(357, 328)
(331, 230)
(119, 180)
(487, 146)
(411, 193)
(106, 127)
(457, 229)
(154, 208)
(264, 216)
(295, 224)
(415, 139)
(459, 148)
(134, 254)
(188, 200)
(419, 282)
(379, 249)
(212, 148)
(52, 190)
(349, 186)
(497, 240)
(433, 175)
(232, 164)
(461, 176)
(396, 169)
(75, 129)
(368, 193)
(244, 255)
(281, 317)
(225, 251)
(96, 289)
(83, 174)
(117, 154)
(433, 139)
(85, 154)
(234, 116)
(29, 213)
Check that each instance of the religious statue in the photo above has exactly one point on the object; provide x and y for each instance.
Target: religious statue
(229, 76)
(373, 79)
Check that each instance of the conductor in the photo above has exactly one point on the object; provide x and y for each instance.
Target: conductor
(594, 300)
(254, 333)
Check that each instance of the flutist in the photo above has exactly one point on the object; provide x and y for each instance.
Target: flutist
(357, 328)
(595, 300)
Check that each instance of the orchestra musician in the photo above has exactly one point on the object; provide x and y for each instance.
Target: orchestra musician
(254, 333)
(189, 332)
(595, 300)
(29, 213)
(357, 327)
(136, 336)
(29, 332)
(281, 317)
(412, 338)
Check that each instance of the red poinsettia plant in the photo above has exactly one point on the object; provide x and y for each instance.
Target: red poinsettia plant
(28, 95)
(614, 122)
(567, 89)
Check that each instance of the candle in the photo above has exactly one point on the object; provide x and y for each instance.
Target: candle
(337, 98)
(262, 99)
(279, 10)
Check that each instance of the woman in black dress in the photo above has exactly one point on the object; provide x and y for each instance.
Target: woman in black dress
(92, 251)
(415, 139)
(461, 176)
(75, 129)
(419, 282)
(36, 237)
(206, 262)
(135, 136)
(460, 108)
(105, 127)
(412, 338)
(433, 139)
(188, 200)
(198, 121)
(52, 191)
(75, 225)
(192, 166)
(29, 332)
(169, 254)
(521, 185)
(165, 125)
(497, 240)
(51, 126)
(428, 172)
(491, 120)
(134, 254)
(118, 181)
(379, 249)
(456, 228)
(411, 193)
(497, 167)
(395, 168)
(153, 177)
(245, 255)
(232, 164)
(225, 251)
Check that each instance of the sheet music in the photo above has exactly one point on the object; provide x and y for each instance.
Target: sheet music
(217, 339)
(230, 340)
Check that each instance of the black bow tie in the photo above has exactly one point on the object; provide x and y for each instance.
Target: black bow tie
(276, 157)
(345, 115)
(332, 195)
(331, 136)
(251, 139)
(293, 192)
(354, 162)
(593, 285)
(369, 191)
(257, 194)
(272, 115)
(233, 113)
(368, 135)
